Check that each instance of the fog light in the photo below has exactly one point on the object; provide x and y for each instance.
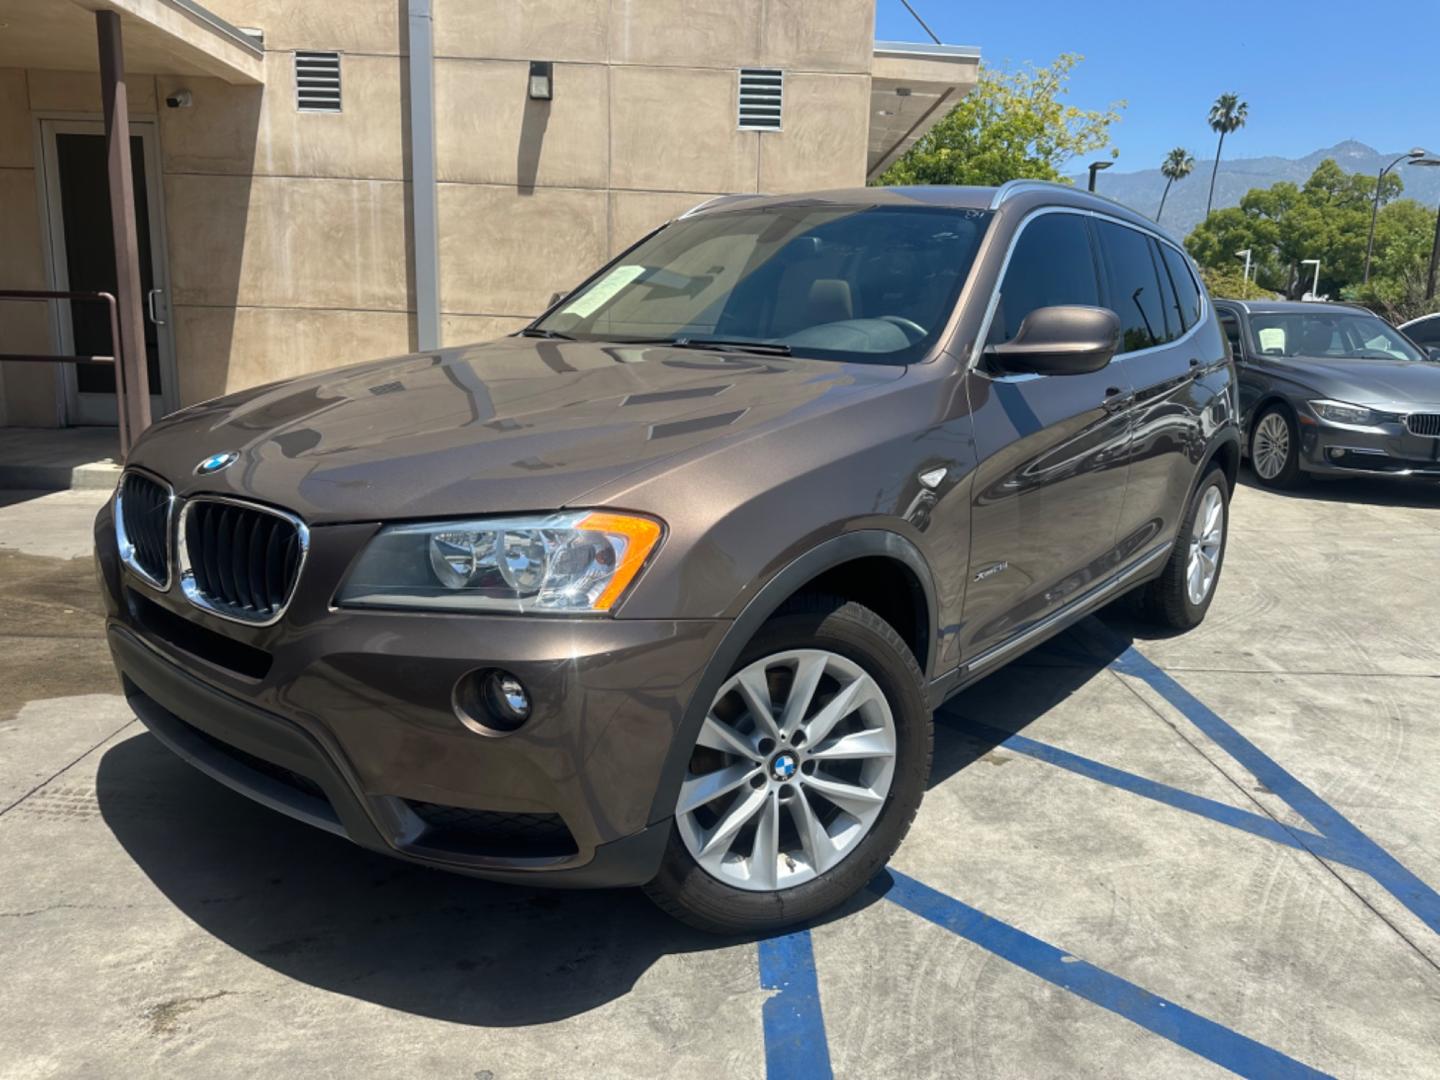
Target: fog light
(492, 702)
(1336, 453)
(506, 697)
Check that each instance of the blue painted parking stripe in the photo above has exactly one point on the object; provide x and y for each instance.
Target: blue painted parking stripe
(1257, 824)
(1195, 1033)
(795, 1043)
(1353, 846)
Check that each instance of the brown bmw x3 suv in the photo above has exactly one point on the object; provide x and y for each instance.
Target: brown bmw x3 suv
(663, 589)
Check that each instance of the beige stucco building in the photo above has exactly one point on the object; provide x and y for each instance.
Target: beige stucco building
(278, 217)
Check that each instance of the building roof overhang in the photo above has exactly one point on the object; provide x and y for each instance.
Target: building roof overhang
(912, 86)
(161, 37)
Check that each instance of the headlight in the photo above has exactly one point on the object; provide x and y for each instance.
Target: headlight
(566, 563)
(1342, 413)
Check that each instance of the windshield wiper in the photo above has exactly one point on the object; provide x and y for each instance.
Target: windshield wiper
(553, 335)
(764, 348)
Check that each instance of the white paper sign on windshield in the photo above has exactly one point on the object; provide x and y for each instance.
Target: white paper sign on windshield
(602, 292)
(1271, 337)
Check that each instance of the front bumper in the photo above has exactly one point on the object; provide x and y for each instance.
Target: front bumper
(345, 719)
(1387, 450)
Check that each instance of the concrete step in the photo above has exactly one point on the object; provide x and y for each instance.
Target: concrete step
(59, 459)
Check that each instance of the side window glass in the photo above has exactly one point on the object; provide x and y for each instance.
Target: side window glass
(1231, 325)
(1169, 305)
(1186, 291)
(1133, 286)
(1051, 264)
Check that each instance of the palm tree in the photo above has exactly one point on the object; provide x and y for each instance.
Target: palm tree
(1226, 115)
(1178, 164)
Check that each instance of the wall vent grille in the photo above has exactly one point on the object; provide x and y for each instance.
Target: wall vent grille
(762, 94)
(317, 81)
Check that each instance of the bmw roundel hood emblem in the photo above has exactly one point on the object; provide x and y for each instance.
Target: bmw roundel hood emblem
(215, 462)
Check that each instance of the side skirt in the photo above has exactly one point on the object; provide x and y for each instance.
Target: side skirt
(1148, 566)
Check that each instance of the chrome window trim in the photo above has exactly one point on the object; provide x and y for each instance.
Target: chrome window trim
(122, 539)
(187, 573)
(977, 352)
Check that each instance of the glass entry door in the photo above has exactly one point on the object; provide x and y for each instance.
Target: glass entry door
(82, 253)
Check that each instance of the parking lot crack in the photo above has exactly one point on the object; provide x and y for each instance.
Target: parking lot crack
(65, 768)
(1301, 835)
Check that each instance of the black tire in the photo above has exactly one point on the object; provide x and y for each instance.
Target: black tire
(1289, 474)
(1166, 600)
(689, 893)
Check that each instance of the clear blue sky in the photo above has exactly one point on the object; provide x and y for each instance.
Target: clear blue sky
(1313, 73)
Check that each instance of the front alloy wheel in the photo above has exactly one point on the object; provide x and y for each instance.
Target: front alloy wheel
(793, 764)
(1274, 449)
(807, 769)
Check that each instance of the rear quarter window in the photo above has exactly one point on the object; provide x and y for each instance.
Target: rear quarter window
(1187, 292)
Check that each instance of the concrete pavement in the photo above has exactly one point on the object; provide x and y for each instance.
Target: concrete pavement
(155, 924)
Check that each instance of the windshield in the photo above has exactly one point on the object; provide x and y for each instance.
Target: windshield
(1330, 334)
(865, 283)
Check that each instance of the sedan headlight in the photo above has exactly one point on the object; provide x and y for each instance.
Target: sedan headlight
(1344, 413)
(565, 563)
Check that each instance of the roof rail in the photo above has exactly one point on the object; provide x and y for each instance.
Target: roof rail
(1014, 187)
(716, 200)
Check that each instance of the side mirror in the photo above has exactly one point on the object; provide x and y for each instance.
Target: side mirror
(1433, 352)
(555, 298)
(1063, 340)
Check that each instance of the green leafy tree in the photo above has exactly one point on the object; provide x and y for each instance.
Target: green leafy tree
(1013, 125)
(1326, 218)
(1227, 115)
(1404, 233)
(1178, 164)
(1230, 282)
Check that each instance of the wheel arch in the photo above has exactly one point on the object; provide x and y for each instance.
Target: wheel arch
(820, 568)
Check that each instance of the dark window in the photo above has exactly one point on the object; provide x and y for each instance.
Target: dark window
(1231, 325)
(1169, 305)
(1426, 332)
(1186, 291)
(1134, 288)
(1052, 264)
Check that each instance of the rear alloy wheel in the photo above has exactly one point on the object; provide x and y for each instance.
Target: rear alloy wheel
(806, 772)
(1275, 449)
(1181, 595)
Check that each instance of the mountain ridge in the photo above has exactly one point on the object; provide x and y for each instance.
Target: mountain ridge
(1185, 208)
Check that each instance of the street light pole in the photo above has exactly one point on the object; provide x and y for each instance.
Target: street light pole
(1096, 166)
(1314, 289)
(1434, 259)
(1417, 152)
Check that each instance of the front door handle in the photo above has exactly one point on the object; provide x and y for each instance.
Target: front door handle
(150, 299)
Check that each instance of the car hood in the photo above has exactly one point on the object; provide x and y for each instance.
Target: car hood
(1398, 383)
(512, 425)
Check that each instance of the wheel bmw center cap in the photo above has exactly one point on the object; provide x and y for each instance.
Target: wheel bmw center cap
(783, 766)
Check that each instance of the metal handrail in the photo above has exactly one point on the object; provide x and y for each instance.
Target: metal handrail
(93, 297)
(46, 294)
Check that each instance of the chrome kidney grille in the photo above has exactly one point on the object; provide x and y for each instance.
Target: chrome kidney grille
(239, 560)
(1424, 424)
(142, 527)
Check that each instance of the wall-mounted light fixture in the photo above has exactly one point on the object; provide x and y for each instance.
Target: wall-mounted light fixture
(542, 82)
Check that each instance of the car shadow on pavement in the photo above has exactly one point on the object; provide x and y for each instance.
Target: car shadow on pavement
(977, 720)
(323, 911)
